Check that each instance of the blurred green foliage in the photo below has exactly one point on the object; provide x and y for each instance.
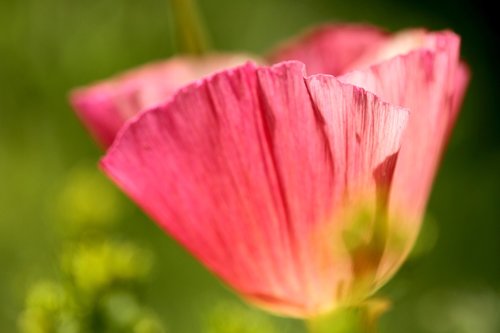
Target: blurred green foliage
(47, 47)
(231, 317)
(86, 201)
(99, 281)
(48, 309)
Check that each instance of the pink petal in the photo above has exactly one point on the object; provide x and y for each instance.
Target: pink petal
(246, 167)
(394, 45)
(430, 82)
(104, 107)
(331, 49)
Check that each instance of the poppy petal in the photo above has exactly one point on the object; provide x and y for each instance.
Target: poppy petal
(245, 166)
(331, 49)
(104, 107)
(430, 82)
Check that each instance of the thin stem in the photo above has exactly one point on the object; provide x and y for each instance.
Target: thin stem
(360, 319)
(189, 33)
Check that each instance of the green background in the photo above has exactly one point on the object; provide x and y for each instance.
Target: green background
(48, 47)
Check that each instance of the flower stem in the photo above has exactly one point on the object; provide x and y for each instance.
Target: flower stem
(360, 319)
(188, 31)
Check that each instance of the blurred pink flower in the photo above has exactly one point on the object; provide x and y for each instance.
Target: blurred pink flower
(301, 185)
(104, 107)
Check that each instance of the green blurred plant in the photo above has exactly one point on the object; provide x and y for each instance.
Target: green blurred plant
(86, 202)
(100, 279)
(231, 317)
(460, 311)
(49, 308)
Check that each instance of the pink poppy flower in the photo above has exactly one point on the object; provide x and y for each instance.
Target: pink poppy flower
(301, 185)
